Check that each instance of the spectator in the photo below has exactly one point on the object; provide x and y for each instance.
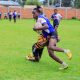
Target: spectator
(5, 15)
(14, 16)
(19, 15)
(0, 15)
(10, 15)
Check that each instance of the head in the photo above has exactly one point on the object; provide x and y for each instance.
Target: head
(40, 8)
(35, 13)
(55, 11)
(14, 10)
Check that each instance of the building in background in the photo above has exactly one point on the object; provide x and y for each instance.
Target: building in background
(59, 3)
(9, 3)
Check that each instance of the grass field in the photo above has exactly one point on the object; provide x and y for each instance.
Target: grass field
(16, 41)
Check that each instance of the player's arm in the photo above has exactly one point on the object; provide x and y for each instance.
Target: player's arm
(51, 18)
(56, 24)
(60, 16)
(43, 25)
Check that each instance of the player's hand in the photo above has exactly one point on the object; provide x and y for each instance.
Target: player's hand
(34, 29)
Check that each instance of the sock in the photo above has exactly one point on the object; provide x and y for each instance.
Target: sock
(65, 50)
(64, 64)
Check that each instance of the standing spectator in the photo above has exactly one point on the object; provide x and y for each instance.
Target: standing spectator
(14, 16)
(5, 15)
(10, 15)
(0, 15)
(19, 15)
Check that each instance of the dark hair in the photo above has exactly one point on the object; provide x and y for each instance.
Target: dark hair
(37, 9)
(56, 9)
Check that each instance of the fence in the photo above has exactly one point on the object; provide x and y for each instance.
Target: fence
(67, 13)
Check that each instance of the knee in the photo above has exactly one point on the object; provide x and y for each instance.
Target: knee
(50, 47)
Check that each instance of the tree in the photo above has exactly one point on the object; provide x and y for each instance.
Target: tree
(66, 3)
(33, 2)
(77, 3)
(21, 2)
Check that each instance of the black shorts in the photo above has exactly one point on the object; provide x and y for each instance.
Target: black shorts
(54, 35)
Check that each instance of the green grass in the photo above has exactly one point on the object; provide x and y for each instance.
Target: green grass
(16, 41)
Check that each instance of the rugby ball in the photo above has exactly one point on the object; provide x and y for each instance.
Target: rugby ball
(38, 25)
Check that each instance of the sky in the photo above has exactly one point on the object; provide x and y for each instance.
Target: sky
(41, 0)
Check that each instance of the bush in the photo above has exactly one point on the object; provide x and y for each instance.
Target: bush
(33, 3)
(74, 18)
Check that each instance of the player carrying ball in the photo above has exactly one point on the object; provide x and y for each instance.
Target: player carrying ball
(48, 38)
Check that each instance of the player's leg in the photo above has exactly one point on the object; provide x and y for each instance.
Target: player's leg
(9, 18)
(40, 52)
(15, 19)
(34, 56)
(52, 46)
(37, 48)
(52, 43)
(37, 53)
(53, 56)
(56, 32)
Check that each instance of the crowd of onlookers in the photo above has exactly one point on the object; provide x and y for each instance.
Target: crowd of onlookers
(11, 15)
